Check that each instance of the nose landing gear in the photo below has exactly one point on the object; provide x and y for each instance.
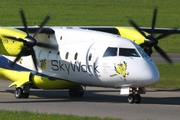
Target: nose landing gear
(134, 98)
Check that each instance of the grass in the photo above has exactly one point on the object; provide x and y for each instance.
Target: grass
(25, 115)
(169, 76)
(96, 13)
(91, 12)
(102, 13)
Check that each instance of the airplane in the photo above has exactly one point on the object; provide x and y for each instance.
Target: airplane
(143, 36)
(70, 58)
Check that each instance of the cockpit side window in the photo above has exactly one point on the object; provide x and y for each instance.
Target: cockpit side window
(110, 51)
(143, 54)
(128, 52)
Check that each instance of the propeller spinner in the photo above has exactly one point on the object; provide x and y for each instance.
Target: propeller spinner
(152, 41)
(30, 41)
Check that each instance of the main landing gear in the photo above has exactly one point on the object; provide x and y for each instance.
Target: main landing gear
(76, 91)
(25, 91)
(22, 92)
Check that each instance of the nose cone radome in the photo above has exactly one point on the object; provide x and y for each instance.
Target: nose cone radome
(150, 75)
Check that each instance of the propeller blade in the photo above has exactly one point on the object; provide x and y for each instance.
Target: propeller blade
(19, 56)
(137, 28)
(24, 21)
(163, 54)
(42, 24)
(46, 45)
(171, 31)
(14, 38)
(150, 40)
(29, 41)
(154, 20)
(162, 36)
(34, 58)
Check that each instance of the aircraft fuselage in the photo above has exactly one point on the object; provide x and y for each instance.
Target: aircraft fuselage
(81, 58)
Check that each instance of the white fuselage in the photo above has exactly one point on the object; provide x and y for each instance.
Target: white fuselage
(81, 58)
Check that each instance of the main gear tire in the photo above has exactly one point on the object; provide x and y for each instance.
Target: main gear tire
(18, 93)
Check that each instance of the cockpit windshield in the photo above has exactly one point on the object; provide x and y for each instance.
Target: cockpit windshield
(140, 50)
(128, 52)
(110, 51)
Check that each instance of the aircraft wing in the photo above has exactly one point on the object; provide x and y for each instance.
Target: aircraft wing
(114, 29)
(108, 29)
(162, 30)
(34, 29)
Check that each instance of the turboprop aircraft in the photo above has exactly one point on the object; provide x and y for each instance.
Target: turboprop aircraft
(143, 36)
(67, 58)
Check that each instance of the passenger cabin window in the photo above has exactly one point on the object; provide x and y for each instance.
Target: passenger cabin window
(67, 55)
(110, 51)
(75, 56)
(128, 52)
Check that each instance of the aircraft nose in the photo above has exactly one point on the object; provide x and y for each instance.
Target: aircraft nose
(150, 75)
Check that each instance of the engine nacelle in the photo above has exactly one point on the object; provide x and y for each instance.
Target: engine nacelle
(132, 34)
(9, 46)
(47, 83)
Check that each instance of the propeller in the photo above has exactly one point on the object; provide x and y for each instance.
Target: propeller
(30, 41)
(151, 40)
